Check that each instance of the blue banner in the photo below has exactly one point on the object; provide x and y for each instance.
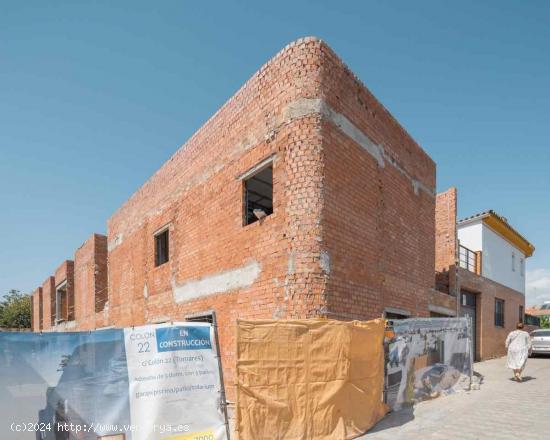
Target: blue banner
(183, 338)
(119, 384)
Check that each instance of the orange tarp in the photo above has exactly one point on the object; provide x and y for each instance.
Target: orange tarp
(309, 379)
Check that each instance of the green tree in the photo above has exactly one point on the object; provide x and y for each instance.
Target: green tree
(545, 322)
(15, 310)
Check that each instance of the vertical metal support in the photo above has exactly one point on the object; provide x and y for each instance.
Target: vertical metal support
(223, 400)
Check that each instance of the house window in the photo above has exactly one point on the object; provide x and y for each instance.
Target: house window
(161, 247)
(258, 195)
(499, 312)
(522, 266)
(513, 262)
(520, 313)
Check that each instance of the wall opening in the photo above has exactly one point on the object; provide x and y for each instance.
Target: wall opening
(161, 247)
(61, 305)
(208, 316)
(258, 195)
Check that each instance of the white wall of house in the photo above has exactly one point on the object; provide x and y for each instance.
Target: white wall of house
(500, 260)
(471, 235)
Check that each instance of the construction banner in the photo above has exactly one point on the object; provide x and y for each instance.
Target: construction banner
(143, 383)
(427, 357)
(309, 379)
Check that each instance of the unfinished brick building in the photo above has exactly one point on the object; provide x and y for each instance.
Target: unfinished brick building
(302, 196)
(75, 297)
(480, 263)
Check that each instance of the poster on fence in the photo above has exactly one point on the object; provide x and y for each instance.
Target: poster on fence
(427, 357)
(143, 383)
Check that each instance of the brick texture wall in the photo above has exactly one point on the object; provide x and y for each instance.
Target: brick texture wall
(490, 338)
(442, 303)
(65, 273)
(36, 309)
(446, 240)
(48, 303)
(378, 208)
(91, 283)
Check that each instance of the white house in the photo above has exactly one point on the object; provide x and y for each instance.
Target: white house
(489, 246)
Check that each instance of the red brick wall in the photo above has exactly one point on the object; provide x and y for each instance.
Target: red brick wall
(442, 303)
(446, 240)
(48, 303)
(36, 309)
(90, 274)
(378, 214)
(445, 229)
(490, 338)
(65, 272)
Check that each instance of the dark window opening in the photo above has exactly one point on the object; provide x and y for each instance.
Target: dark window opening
(393, 316)
(499, 312)
(201, 317)
(161, 248)
(258, 195)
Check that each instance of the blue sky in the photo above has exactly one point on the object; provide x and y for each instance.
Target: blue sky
(95, 96)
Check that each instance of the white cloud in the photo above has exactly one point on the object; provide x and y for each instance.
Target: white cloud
(538, 286)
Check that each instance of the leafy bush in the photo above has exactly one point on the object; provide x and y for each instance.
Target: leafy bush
(15, 310)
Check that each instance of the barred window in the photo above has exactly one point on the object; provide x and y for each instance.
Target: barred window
(499, 312)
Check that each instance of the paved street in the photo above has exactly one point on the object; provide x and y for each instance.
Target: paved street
(501, 409)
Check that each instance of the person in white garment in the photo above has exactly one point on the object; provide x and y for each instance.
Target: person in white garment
(518, 344)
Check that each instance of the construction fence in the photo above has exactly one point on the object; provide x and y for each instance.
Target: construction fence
(140, 383)
(309, 379)
(296, 379)
(327, 379)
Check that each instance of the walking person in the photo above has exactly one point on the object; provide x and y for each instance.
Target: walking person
(518, 344)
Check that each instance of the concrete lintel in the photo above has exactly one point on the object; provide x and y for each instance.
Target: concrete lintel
(441, 310)
(257, 168)
(220, 282)
(397, 311)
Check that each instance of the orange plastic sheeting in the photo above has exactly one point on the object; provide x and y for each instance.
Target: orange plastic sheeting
(309, 379)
